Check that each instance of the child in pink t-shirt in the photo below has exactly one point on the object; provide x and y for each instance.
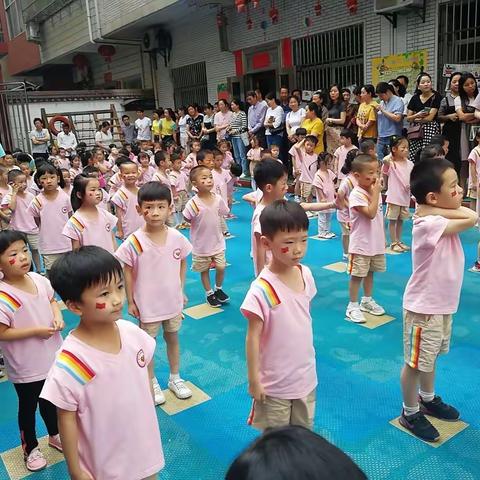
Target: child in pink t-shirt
(30, 325)
(75, 166)
(432, 293)
(191, 159)
(254, 156)
(125, 201)
(100, 381)
(324, 184)
(152, 249)
(67, 179)
(15, 204)
(308, 160)
(367, 238)
(346, 145)
(203, 212)
(147, 170)
(51, 209)
(4, 189)
(397, 167)
(89, 225)
(282, 376)
(221, 178)
(179, 182)
(474, 182)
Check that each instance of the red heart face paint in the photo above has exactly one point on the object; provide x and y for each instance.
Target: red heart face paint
(11, 261)
(100, 306)
(284, 249)
(454, 194)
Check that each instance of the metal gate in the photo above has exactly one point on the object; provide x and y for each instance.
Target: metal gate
(14, 116)
(190, 84)
(459, 34)
(329, 57)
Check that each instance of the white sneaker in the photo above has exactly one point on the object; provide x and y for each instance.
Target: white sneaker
(158, 395)
(372, 307)
(329, 235)
(179, 388)
(355, 315)
(345, 256)
(311, 214)
(323, 236)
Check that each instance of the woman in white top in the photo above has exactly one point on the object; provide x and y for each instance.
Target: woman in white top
(294, 118)
(104, 137)
(182, 126)
(467, 92)
(273, 123)
(40, 137)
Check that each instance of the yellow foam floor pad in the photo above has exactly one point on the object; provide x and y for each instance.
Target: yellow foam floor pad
(374, 321)
(340, 267)
(15, 466)
(174, 405)
(447, 430)
(201, 311)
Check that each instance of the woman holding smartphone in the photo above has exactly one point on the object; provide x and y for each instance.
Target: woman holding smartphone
(422, 113)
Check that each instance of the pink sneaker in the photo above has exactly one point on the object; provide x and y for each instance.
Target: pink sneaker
(35, 461)
(55, 442)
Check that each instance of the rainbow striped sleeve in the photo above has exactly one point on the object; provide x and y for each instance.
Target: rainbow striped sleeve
(9, 301)
(77, 369)
(135, 245)
(415, 339)
(37, 203)
(76, 224)
(123, 195)
(268, 292)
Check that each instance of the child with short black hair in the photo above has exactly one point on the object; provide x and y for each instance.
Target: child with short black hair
(203, 212)
(368, 147)
(271, 179)
(30, 325)
(282, 374)
(125, 201)
(432, 293)
(308, 161)
(146, 171)
(367, 237)
(100, 381)
(191, 159)
(89, 225)
(15, 204)
(221, 177)
(152, 249)
(163, 163)
(51, 209)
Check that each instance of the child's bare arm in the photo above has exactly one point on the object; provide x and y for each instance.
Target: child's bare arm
(250, 198)
(260, 254)
(317, 206)
(67, 424)
(254, 332)
(372, 209)
(460, 213)
(132, 306)
(8, 334)
(119, 213)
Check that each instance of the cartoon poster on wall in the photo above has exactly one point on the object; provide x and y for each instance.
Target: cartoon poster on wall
(391, 66)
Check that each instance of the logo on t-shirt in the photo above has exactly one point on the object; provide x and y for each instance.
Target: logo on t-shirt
(107, 227)
(176, 253)
(64, 209)
(141, 358)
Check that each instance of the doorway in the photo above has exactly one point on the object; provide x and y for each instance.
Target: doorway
(264, 81)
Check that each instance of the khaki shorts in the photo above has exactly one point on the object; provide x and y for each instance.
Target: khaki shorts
(202, 264)
(32, 240)
(305, 189)
(396, 212)
(278, 412)
(171, 325)
(50, 258)
(361, 265)
(345, 228)
(424, 338)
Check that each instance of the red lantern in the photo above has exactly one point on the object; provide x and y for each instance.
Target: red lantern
(80, 61)
(273, 13)
(240, 5)
(318, 8)
(107, 52)
(352, 6)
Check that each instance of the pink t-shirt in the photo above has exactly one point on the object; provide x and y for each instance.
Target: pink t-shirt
(205, 232)
(30, 359)
(325, 188)
(115, 183)
(367, 237)
(220, 183)
(32, 187)
(105, 202)
(147, 259)
(308, 165)
(92, 232)
(227, 160)
(127, 202)
(189, 162)
(21, 219)
(257, 228)
(53, 215)
(255, 154)
(438, 262)
(287, 355)
(118, 434)
(178, 180)
(147, 175)
(341, 155)
(346, 187)
(163, 178)
(63, 163)
(75, 171)
(474, 157)
(398, 173)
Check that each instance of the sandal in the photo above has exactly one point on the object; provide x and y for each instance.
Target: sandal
(405, 247)
(396, 247)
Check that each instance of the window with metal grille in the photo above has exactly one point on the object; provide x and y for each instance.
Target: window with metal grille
(329, 57)
(190, 84)
(16, 25)
(459, 34)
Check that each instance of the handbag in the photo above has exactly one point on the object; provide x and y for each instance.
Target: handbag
(415, 131)
(245, 139)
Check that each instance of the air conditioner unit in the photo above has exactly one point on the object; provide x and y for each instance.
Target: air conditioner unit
(150, 40)
(394, 6)
(32, 31)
